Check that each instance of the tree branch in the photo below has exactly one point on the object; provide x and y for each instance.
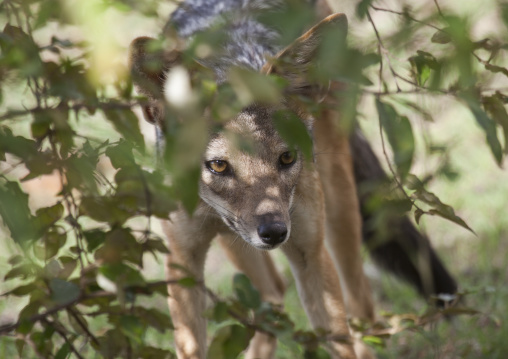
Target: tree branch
(382, 51)
(63, 335)
(82, 297)
(82, 325)
(76, 107)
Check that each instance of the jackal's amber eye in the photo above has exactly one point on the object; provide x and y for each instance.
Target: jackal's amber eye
(287, 158)
(217, 166)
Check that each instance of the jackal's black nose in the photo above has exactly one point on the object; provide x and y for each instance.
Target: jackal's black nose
(273, 233)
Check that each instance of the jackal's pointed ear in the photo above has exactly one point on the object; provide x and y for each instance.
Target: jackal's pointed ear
(311, 60)
(149, 64)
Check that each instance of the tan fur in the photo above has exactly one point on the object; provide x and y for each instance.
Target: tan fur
(314, 201)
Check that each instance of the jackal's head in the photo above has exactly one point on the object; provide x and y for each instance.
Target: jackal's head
(252, 191)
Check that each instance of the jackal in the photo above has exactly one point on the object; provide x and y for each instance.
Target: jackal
(271, 196)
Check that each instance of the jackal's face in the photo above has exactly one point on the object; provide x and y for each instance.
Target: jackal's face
(252, 190)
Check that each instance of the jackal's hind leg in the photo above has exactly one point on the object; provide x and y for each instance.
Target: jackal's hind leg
(259, 267)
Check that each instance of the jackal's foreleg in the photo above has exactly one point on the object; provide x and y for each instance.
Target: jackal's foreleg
(188, 247)
(317, 281)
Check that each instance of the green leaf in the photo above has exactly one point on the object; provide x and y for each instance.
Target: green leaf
(63, 292)
(148, 352)
(400, 136)
(497, 69)
(373, 340)
(307, 338)
(50, 244)
(19, 146)
(363, 7)
(41, 125)
(220, 312)
(294, 132)
(154, 318)
(63, 352)
(23, 290)
(422, 64)
(38, 165)
(155, 245)
(245, 292)
(489, 127)
(43, 342)
(46, 217)
(186, 188)
(275, 321)
(441, 37)
(50, 10)
(132, 328)
(504, 12)
(68, 266)
(229, 342)
(16, 214)
(22, 271)
(15, 259)
(27, 312)
(495, 108)
(123, 275)
(418, 214)
(94, 238)
(252, 87)
(127, 124)
(56, 119)
(105, 209)
(80, 171)
(448, 213)
(112, 344)
(120, 155)
(20, 52)
(120, 245)
(438, 207)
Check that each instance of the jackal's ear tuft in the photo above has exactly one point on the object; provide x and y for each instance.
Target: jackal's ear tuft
(311, 60)
(149, 64)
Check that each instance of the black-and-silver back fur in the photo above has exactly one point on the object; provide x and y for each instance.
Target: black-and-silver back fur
(246, 40)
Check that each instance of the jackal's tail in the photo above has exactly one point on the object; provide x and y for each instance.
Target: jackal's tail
(399, 247)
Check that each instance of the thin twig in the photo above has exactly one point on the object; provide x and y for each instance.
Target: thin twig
(71, 207)
(101, 106)
(438, 8)
(82, 297)
(383, 51)
(406, 15)
(73, 312)
(59, 330)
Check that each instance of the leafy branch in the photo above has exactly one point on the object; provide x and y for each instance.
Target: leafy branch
(146, 289)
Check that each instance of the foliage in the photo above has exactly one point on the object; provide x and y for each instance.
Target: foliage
(78, 260)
